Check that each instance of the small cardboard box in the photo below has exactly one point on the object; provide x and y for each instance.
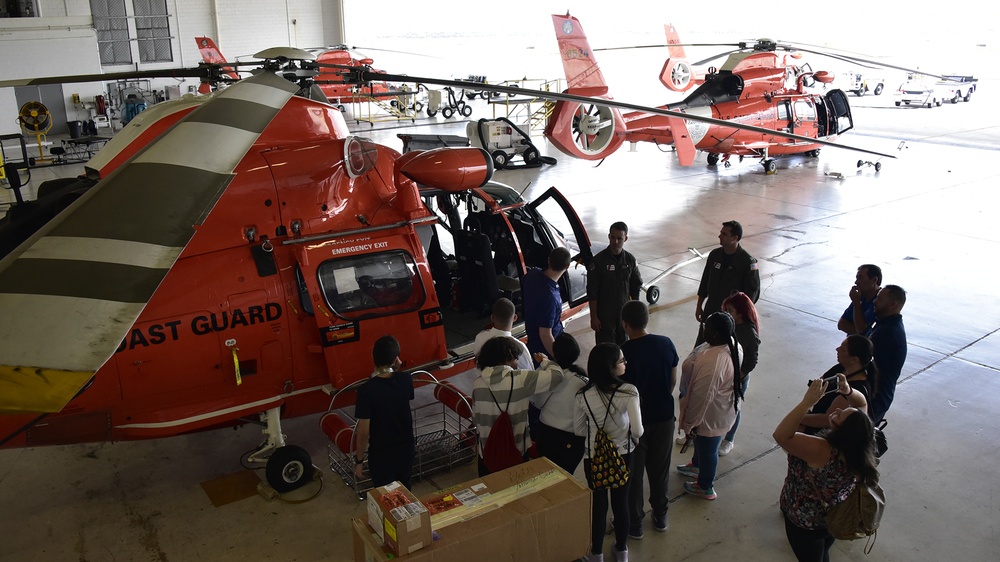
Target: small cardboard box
(531, 512)
(400, 521)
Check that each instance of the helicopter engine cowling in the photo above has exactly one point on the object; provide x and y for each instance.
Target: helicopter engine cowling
(450, 169)
(588, 131)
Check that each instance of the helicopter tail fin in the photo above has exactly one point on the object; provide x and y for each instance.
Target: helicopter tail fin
(677, 74)
(210, 53)
(582, 130)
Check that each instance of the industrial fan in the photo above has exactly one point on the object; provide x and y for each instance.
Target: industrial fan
(35, 119)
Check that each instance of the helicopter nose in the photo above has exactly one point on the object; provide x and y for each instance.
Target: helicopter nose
(450, 169)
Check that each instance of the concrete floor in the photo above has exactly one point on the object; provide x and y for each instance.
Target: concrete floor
(925, 218)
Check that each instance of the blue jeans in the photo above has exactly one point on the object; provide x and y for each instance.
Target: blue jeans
(732, 431)
(706, 458)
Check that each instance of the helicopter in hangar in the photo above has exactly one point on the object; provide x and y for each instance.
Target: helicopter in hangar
(329, 60)
(753, 88)
(236, 255)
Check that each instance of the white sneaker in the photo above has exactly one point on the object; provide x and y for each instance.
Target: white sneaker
(620, 555)
(591, 557)
(681, 437)
(725, 447)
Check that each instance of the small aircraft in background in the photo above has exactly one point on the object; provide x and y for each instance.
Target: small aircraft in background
(766, 95)
(332, 62)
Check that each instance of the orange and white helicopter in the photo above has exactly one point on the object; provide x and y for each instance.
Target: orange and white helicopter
(766, 95)
(328, 81)
(237, 254)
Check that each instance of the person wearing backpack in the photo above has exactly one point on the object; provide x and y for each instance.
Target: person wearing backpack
(500, 398)
(823, 470)
(607, 408)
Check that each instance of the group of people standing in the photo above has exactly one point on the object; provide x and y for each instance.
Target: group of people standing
(627, 390)
(829, 434)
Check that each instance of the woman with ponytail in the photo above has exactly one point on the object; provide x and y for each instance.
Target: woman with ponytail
(709, 400)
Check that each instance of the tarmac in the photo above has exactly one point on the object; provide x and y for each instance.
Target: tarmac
(924, 218)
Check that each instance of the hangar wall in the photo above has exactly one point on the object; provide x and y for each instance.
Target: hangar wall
(62, 41)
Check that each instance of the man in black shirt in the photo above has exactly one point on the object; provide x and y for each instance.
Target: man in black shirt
(385, 421)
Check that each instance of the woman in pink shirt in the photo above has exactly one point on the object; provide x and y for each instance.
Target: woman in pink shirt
(709, 400)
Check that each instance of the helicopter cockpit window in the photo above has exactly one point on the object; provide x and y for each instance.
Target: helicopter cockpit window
(805, 111)
(371, 284)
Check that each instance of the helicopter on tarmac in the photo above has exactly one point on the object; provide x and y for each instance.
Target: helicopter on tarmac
(235, 255)
(754, 87)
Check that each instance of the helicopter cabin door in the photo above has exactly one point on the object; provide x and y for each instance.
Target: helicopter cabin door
(559, 225)
(364, 287)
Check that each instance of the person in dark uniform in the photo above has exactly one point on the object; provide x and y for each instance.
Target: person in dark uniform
(729, 268)
(612, 280)
(385, 421)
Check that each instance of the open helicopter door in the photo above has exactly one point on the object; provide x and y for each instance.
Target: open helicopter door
(563, 227)
(838, 113)
(366, 286)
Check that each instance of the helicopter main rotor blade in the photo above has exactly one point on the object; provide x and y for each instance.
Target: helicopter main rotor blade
(364, 76)
(82, 280)
(196, 72)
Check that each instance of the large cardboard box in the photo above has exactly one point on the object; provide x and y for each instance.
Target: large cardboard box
(531, 512)
(401, 523)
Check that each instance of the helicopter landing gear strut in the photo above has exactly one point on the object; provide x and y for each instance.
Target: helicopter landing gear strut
(288, 467)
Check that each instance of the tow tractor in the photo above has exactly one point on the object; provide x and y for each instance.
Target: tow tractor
(505, 141)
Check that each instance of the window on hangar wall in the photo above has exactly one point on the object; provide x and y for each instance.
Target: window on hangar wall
(151, 31)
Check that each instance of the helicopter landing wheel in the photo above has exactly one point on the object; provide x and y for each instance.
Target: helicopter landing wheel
(713, 159)
(288, 468)
(770, 166)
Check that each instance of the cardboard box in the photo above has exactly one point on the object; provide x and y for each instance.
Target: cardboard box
(530, 512)
(399, 520)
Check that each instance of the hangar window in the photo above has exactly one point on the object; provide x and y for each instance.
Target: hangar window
(152, 30)
(18, 9)
(371, 284)
(119, 22)
(111, 23)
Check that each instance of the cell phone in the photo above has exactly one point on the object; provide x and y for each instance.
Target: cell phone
(831, 380)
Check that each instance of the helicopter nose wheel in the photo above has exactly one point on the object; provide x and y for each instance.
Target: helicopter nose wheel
(713, 159)
(770, 166)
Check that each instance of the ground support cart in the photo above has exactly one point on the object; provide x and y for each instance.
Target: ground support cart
(445, 434)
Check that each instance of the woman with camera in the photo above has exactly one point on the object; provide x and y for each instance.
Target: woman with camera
(823, 470)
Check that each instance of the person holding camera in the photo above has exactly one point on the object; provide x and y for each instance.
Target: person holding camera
(823, 470)
(849, 382)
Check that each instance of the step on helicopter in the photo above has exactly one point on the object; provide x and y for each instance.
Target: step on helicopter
(761, 104)
(231, 258)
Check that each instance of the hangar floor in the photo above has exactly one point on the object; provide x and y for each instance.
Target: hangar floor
(924, 218)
